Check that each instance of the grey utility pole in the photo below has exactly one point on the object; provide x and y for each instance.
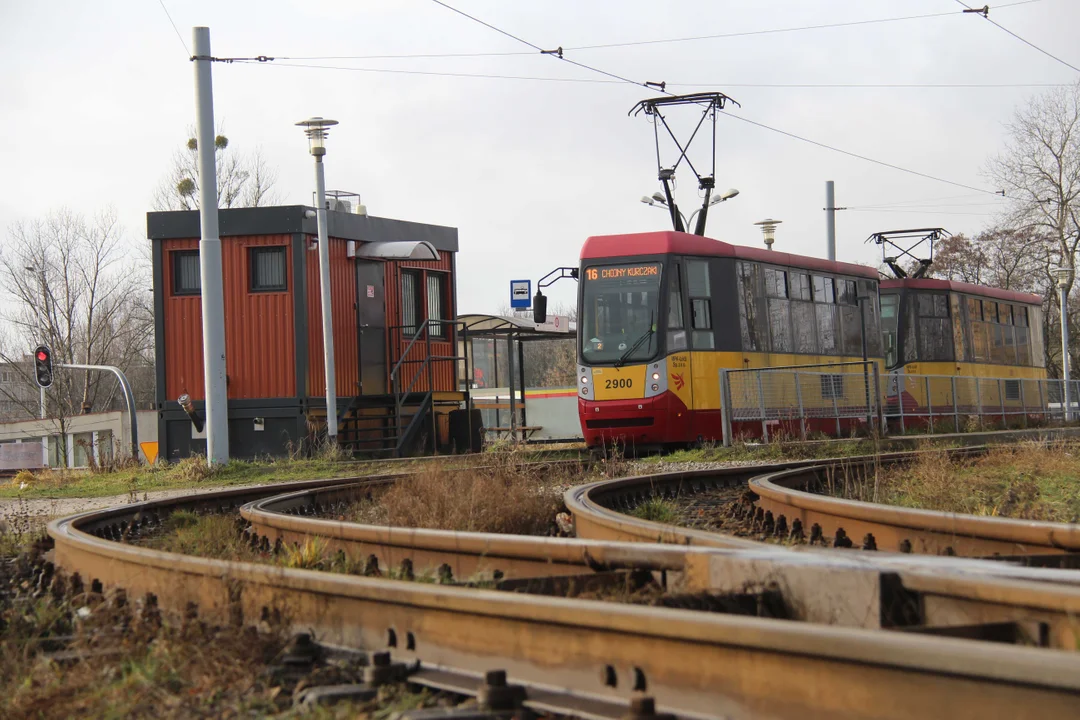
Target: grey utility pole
(316, 132)
(1063, 274)
(830, 220)
(213, 295)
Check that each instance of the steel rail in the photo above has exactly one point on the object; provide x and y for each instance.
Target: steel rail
(782, 509)
(937, 593)
(466, 554)
(782, 499)
(694, 664)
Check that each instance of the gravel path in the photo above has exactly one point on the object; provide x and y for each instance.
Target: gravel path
(44, 509)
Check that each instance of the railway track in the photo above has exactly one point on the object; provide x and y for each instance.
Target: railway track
(804, 634)
(783, 504)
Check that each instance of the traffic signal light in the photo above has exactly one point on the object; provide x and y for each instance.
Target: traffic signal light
(43, 372)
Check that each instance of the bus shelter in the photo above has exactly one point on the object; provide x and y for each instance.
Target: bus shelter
(521, 376)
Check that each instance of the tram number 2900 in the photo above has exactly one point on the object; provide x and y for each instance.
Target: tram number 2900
(612, 383)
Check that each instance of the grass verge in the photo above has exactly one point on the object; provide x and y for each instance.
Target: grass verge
(1029, 481)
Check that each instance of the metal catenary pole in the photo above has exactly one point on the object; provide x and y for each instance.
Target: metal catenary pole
(327, 310)
(830, 220)
(1064, 297)
(213, 296)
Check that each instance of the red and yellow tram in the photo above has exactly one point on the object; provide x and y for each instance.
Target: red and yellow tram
(661, 313)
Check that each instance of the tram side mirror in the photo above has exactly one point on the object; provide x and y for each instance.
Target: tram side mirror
(539, 308)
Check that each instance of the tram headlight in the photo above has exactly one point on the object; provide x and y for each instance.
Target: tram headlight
(584, 391)
(655, 376)
(655, 387)
(584, 379)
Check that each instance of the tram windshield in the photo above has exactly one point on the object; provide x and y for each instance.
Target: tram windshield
(619, 313)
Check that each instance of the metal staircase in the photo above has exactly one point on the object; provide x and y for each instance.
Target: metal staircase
(402, 422)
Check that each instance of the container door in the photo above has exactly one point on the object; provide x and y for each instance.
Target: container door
(371, 316)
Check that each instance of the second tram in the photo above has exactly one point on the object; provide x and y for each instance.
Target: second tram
(940, 330)
(661, 313)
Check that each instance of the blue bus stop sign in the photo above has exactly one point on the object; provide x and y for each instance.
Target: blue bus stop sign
(520, 293)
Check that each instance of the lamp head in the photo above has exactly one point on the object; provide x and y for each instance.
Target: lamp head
(659, 198)
(316, 131)
(728, 194)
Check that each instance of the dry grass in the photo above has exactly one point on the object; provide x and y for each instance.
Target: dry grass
(68, 652)
(1030, 481)
(505, 497)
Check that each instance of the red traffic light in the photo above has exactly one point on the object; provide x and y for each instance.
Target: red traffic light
(42, 356)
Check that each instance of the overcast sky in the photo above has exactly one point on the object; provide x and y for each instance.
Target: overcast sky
(97, 96)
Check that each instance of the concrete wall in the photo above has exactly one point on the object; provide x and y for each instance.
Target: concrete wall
(100, 433)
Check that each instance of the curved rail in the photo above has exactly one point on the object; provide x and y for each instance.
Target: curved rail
(695, 664)
(779, 507)
(287, 518)
(784, 504)
(945, 592)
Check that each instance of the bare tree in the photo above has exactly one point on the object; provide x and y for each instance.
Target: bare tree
(1040, 170)
(997, 257)
(243, 180)
(69, 284)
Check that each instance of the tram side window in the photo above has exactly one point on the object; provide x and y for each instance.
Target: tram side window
(889, 306)
(850, 321)
(959, 332)
(935, 330)
(804, 332)
(873, 322)
(847, 292)
(980, 340)
(676, 329)
(851, 325)
(751, 315)
(1020, 329)
(1035, 336)
(697, 281)
(800, 286)
(1023, 346)
(779, 309)
(824, 289)
(828, 319)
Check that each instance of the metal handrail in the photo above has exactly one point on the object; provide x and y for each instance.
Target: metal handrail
(395, 379)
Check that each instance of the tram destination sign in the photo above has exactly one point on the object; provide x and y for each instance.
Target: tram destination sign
(647, 273)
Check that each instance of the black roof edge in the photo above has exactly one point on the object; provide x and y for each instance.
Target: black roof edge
(288, 219)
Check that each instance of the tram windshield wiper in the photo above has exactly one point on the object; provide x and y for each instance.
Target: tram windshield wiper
(637, 343)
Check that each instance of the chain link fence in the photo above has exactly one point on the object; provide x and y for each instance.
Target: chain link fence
(799, 400)
(841, 398)
(942, 403)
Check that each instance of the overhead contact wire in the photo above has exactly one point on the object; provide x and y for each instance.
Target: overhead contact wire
(986, 16)
(663, 90)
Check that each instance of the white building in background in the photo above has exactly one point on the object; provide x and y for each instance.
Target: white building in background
(94, 438)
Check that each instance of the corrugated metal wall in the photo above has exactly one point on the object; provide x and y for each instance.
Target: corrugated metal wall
(260, 353)
(260, 350)
(343, 303)
(259, 327)
(183, 331)
(445, 373)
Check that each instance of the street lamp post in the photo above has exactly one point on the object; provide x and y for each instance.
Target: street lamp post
(316, 131)
(1063, 274)
(659, 201)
